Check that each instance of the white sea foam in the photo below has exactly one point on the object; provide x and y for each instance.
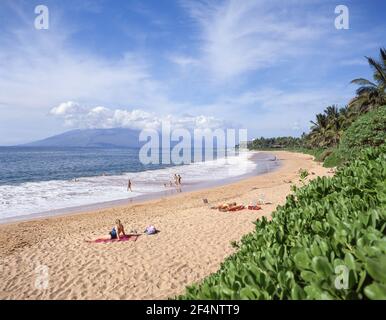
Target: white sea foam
(37, 197)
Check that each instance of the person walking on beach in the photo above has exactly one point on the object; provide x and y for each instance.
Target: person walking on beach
(129, 186)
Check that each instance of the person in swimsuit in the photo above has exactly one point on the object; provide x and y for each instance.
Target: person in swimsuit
(117, 231)
(129, 186)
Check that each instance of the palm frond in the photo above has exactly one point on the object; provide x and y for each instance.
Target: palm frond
(365, 90)
(380, 73)
(363, 82)
(383, 56)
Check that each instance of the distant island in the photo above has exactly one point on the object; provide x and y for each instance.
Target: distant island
(106, 138)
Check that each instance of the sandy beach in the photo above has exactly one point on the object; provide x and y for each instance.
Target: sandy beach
(192, 242)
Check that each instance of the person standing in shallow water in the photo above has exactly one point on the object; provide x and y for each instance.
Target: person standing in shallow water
(179, 179)
(129, 186)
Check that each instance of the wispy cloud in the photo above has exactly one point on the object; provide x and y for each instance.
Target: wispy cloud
(244, 36)
(271, 111)
(39, 69)
(183, 61)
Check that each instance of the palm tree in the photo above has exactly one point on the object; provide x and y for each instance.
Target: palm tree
(345, 117)
(327, 130)
(371, 94)
(318, 132)
(334, 125)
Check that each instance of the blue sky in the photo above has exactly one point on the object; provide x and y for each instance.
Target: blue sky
(268, 66)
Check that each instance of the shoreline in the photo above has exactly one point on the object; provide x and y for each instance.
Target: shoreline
(192, 243)
(141, 199)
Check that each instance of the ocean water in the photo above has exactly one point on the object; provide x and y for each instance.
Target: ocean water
(40, 180)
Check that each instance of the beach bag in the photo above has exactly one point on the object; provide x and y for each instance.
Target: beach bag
(150, 230)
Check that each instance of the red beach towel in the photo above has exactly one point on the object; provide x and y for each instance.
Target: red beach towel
(131, 237)
(254, 208)
(237, 208)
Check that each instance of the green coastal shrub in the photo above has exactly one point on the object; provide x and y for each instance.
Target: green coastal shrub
(368, 130)
(334, 159)
(325, 154)
(329, 230)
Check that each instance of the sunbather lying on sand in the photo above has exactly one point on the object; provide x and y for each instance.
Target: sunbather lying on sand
(224, 206)
(229, 207)
(252, 207)
(236, 208)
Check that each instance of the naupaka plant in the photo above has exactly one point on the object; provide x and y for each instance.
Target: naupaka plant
(303, 175)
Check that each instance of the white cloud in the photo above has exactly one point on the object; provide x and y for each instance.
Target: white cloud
(271, 111)
(183, 61)
(76, 115)
(66, 108)
(40, 69)
(242, 36)
(296, 126)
